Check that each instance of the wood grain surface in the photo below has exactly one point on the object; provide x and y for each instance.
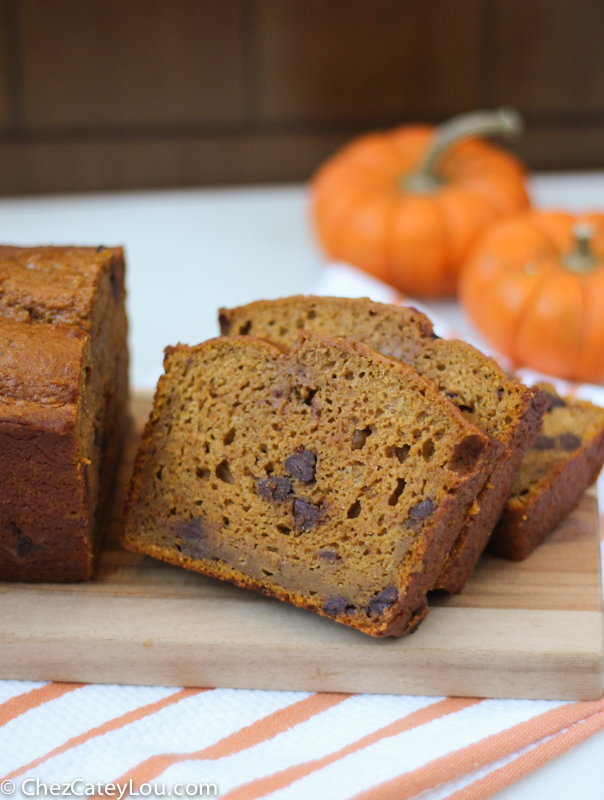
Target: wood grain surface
(531, 629)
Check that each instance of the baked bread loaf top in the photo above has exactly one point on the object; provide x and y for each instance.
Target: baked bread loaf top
(63, 396)
(564, 460)
(500, 406)
(58, 284)
(330, 477)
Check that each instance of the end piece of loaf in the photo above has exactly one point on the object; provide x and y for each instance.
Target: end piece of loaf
(330, 477)
(63, 405)
(500, 406)
(564, 460)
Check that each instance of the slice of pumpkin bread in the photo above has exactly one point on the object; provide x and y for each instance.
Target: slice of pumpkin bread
(564, 460)
(330, 477)
(500, 406)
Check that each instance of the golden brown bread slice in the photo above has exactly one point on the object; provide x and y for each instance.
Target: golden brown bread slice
(500, 406)
(564, 460)
(331, 476)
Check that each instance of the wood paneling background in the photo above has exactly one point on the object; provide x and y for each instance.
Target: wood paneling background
(112, 94)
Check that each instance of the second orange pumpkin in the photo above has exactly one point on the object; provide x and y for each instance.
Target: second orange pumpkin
(534, 286)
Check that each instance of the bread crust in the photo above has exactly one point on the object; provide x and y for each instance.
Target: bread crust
(528, 518)
(492, 498)
(63, 398)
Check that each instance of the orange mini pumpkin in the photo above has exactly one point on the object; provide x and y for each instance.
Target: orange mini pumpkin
(534, 286)
(406, 205)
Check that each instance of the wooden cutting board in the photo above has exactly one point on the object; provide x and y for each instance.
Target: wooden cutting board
(529, 630)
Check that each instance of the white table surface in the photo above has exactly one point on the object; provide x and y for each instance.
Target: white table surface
(191, 251)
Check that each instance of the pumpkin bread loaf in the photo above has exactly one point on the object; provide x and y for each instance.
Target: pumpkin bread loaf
(63, 396)
(564, 460)
(500, 406)
(329, 477)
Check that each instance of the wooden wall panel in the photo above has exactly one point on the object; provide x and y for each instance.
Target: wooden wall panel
(550, 55)
(155, 163)
(108, 63)
(5, 117)
(352, 59)
(112, 94)
(563, 147)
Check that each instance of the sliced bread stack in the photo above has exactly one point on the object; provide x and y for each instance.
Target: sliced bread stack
(502, 408)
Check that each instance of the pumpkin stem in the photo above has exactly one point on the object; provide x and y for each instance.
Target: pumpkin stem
(581, 258)
(503, 122)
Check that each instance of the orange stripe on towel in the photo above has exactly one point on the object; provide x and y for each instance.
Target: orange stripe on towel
(529, 762)
(18, 705)
(260, 731)
(107, 727)
(279, 780)
(480, 754)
